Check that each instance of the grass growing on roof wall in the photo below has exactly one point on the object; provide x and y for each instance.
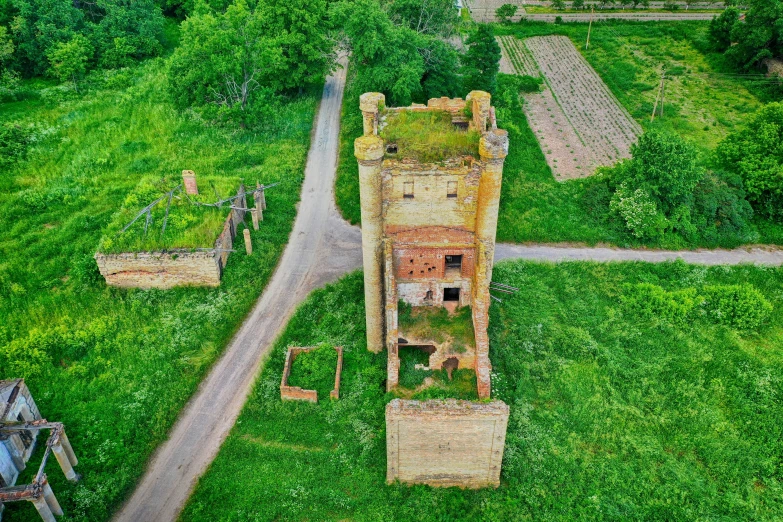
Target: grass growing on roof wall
(437, 324)
(428, 136)
(614, 414)
(187, 225)
(116, 366)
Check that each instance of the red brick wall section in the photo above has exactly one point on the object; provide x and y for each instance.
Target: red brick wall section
(430, 263)
(295, 393)
(430, 235)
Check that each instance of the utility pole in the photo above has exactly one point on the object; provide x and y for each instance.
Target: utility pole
(589, 28)
(659, 96)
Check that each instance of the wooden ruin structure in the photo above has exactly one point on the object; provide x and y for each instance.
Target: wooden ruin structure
(19, 426)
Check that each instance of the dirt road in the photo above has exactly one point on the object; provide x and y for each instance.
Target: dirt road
(322, 248)
(555, 253)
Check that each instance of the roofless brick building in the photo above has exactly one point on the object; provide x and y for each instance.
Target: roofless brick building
(428, 228)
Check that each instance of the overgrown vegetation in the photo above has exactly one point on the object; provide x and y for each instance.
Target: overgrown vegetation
(117, 366)
(435, 323)
(428, 136)
(749, 40)
(663, 189)
(611, 417)
(188, 225)
(315, 370)
(233, 65)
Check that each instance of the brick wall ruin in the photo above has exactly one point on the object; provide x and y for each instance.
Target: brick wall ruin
(416, 215)
(177, 267)
(445, 442)
(296, 393)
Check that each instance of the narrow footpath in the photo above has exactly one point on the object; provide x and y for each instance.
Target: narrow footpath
(322, 247)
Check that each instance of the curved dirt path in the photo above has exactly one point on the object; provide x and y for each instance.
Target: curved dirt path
(322, 247)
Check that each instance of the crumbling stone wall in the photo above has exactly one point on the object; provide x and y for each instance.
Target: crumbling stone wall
(445, 442)
(179, 267)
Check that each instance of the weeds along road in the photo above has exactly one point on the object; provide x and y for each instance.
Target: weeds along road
(322, 247)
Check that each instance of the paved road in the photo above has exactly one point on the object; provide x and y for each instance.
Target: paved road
(484, 11)
(636, 17)
(555, 253)
(322, 247)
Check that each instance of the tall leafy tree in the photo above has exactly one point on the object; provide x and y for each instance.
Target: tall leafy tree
(432, 17)
(69, 59)
(721, 26)
(482, 60)
(232, 63)
(759, 36)
(756, 154)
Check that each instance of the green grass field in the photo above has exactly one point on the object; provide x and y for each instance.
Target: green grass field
(117, 366)
(612, 417)
(705, 102)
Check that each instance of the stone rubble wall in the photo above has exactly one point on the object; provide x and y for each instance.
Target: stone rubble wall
(445, 443)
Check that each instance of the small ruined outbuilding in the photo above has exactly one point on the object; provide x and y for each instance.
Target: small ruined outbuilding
(430, 194)
(141, 250)
(20, 422)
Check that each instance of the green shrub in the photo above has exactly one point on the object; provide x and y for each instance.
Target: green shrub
(315, 370)
(14, 141)
(653, 303)
(738, 306)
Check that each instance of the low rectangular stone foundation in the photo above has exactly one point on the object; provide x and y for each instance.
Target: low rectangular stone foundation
(445, 442)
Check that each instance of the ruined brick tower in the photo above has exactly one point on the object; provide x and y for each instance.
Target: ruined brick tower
(428, 229)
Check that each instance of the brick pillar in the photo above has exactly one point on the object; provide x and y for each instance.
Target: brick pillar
(189, 180)
(369, 152)
(480, 103)
(370, 104)
(393, 356)
(493, 148)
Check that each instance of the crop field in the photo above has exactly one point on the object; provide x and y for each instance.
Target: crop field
(615, 415)
(117, 366)
(579, 124)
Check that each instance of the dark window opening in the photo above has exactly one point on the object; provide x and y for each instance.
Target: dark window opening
(407, 190)
(391, 148)
(428, 297)
(451, 294)
(454, 262)
(451, 189)
(450, 364)
(462, 125)
(410, 273)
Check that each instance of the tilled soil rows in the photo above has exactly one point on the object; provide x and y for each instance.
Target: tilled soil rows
(579, 124)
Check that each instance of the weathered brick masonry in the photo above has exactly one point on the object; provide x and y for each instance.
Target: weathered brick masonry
(445, 442)
(428, 229)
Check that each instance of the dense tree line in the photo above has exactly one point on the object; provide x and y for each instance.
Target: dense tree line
(67, 37)
(749, 40)
(403, 49)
